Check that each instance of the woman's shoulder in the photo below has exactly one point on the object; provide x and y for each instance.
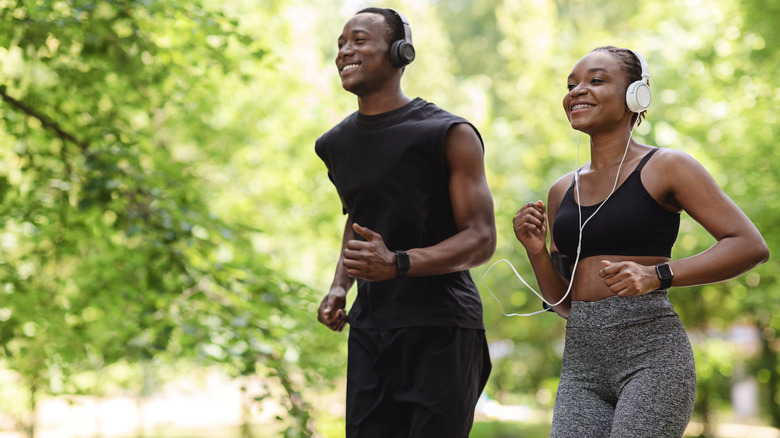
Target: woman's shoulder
(669, 155)
(559, 188)
(668, 161)
(563, 182)
(672, 172)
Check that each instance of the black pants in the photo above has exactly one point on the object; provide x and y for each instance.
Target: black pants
(414, 382)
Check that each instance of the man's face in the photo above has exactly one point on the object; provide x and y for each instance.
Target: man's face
(363, 58)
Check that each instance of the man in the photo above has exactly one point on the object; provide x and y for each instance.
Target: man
(419, 214)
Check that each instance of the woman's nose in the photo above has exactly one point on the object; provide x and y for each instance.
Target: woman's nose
(577, 90)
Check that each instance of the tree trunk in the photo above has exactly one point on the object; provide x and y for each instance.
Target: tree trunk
(246, 413)
(31, 425)
(299, 408)
(704, 409)
(768, 360)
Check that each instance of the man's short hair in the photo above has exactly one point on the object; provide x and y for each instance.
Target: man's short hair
(395, 27)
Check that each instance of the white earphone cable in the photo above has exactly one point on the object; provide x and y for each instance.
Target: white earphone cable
(579, 239)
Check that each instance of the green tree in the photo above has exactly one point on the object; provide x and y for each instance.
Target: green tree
(161, 199)
(114, 247)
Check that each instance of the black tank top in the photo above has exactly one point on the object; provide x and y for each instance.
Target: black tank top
(631, 223)
(391, 173)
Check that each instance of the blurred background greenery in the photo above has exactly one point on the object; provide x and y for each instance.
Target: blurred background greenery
(163, 211)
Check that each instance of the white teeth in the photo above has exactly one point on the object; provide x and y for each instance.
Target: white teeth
(349, 67)
(580, 106)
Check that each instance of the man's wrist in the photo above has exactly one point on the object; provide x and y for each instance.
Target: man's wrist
(338, 291)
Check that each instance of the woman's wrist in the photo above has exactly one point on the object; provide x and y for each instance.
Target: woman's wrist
(538, 253)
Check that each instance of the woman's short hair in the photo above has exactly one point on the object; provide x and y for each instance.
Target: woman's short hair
(631, 65)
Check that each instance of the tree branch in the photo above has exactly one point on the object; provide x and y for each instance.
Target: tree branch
(43, 119)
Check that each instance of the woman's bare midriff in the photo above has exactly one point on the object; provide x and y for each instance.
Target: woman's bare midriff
(589, 286)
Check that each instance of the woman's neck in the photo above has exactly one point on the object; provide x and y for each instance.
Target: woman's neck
(607, 150)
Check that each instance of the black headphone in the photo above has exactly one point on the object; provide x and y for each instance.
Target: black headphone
(402, 51)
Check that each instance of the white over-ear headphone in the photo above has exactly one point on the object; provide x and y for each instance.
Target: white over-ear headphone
(638, 93)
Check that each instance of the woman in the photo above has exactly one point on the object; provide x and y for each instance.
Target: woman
(628, 367)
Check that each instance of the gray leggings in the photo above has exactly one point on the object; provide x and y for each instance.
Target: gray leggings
(627, 371)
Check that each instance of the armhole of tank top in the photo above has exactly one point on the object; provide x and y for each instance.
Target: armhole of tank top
(461, 120)
(645, 159)
(569, 190)
(638, 171)
(448, 123)
(559, 205)
(441, 145)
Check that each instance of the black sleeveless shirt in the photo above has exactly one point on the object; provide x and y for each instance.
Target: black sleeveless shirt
(391, 173)
(631, 223)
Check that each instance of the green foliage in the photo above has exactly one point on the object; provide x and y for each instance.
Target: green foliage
(161, 200)
(115, 246)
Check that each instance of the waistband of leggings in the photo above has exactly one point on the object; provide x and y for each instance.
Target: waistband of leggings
(616, 311)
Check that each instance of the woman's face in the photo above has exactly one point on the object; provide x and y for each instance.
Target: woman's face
(596, 100)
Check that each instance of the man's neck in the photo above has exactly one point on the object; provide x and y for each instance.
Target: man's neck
(379, 103)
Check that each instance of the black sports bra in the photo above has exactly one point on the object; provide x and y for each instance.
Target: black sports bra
(631, 223)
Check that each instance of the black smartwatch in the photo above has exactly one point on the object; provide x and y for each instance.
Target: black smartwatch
(665, 274)
(402, 263)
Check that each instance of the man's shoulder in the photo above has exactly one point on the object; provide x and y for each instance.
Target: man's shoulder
(432, 110)
(442, 120)
(333, 132)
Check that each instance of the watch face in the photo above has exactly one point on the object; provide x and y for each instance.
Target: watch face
(664, 271)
